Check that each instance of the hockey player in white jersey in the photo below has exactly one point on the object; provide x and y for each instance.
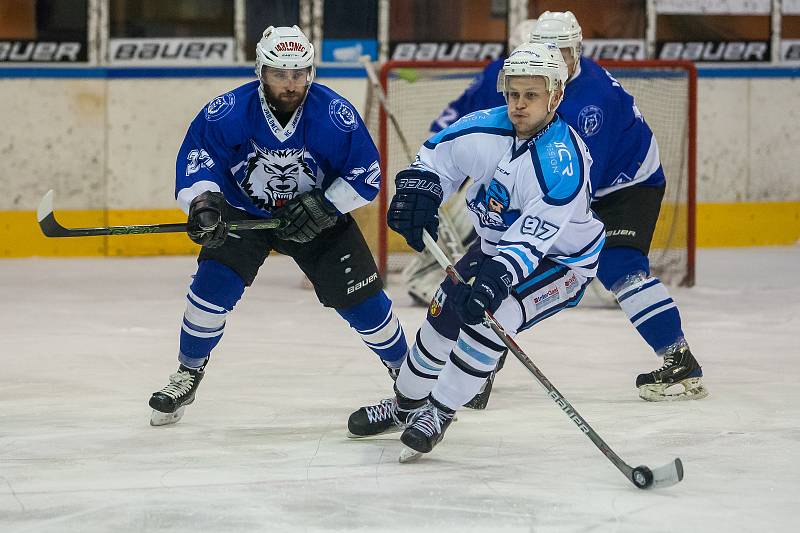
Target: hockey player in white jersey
(528, 196)
(286, 147)
(628, 184)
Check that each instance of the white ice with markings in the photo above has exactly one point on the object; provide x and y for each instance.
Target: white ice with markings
(84, 342)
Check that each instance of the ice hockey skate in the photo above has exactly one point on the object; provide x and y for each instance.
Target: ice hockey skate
(170, 402)
(425, 430)
(387, 416)
(680, 369)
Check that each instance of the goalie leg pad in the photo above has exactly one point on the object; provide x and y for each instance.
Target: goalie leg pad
(212, 294)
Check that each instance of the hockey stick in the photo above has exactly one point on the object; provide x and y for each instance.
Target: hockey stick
(51, 228)
(641, 476)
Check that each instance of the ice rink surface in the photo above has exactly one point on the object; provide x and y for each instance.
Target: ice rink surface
(83, 344)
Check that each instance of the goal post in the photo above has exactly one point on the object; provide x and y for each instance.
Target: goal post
(664, 91)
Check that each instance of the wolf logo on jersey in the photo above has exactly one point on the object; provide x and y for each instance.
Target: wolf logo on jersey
(491, 206)
(274, 177)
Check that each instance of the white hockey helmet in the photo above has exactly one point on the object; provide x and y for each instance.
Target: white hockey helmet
(534, 59)
(521, 33)
(285, 48)
(560, 28)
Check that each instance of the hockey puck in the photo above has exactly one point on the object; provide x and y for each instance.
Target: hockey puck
(642, 477)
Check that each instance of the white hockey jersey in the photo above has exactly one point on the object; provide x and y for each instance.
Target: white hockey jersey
(528, 199)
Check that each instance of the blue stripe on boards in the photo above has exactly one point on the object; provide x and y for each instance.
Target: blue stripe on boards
(8, 71)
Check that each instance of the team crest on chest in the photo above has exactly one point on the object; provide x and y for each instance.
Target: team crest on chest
(590, 120)
(273, 177)
(492, 206)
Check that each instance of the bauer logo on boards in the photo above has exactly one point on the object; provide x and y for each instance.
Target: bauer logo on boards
(448, 51)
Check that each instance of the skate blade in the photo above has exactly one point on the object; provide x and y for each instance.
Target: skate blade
(409, 455)
(693, 389)
(157, 418)
(387, 432)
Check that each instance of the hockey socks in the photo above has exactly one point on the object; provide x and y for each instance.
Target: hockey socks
(424, 363)
(212, 294)
(455, 378)
(379, 328)
(650, 309)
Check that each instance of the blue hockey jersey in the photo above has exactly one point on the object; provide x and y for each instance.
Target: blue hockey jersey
(623, 148)
(236, 146)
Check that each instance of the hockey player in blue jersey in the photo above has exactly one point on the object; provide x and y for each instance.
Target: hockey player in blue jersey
(628, 185)
(287, 147)
(528, 193)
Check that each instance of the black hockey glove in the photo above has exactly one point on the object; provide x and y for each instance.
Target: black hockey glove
(487, 292)
(306, 216)
(415, 206)
(205, 225)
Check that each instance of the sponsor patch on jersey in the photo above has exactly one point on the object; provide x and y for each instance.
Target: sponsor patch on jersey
(220, 106)
(571, 284)
(542, 300)
(342, 115)
(590, 120)
(437, 303)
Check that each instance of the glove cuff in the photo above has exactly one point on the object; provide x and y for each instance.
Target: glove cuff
(499, 272)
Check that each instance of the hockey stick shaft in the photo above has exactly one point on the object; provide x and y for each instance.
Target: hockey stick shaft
(551, 390)
(52, 228)
(449, 235)
(376, 85)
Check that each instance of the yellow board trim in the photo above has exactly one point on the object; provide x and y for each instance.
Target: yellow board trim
(748, 224)
(718, 225)
(20, 235)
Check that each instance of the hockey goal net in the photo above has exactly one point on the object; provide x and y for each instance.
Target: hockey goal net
(665, 92)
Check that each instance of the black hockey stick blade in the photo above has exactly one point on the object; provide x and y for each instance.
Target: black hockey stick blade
(657, 478)
(51, 227)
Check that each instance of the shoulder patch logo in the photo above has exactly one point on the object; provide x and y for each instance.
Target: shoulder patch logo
(220, 106)
(590, 120)
(342, 115)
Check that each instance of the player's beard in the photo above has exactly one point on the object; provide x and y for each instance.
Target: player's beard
(284, 102)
